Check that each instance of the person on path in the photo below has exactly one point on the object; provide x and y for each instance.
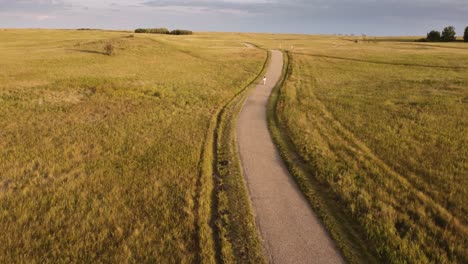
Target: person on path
(264, 80)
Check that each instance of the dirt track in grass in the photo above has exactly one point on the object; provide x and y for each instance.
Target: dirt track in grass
(289, 228)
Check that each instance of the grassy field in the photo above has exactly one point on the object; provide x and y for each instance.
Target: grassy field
(382, 129)
(132, 157)
(102, 157)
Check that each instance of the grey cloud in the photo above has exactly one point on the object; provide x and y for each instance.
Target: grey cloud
(377, 17)
(372, 16)
(32, 5)
(339, 8)
(210, 5)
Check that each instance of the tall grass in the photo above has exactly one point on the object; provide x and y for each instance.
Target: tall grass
(100, 155)
(383, 128)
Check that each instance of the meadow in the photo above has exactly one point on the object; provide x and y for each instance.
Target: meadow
(102, 157)
(376, 134)
(131, 158)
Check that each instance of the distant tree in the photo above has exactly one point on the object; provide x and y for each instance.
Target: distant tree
(434, 36)
(158, 30)
(465, 36)
(140, 30)
(163, 31)
(181, 32)
(449, 34)
(152, 30)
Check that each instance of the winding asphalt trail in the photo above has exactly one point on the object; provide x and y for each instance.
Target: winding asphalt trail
(289, 228)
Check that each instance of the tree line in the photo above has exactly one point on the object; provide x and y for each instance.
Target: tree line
(447, 35)
(163, 31)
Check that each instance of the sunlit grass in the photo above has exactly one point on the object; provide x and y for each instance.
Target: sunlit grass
(383, 125)
(103, 158)
(100, 155)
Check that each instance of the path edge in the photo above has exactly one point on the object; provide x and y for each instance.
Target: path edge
(346, 235)
(231, 223)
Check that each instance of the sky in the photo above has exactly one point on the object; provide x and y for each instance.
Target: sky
(370, 17)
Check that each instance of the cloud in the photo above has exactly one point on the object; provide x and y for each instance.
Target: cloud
(254, 7)
(44, 17)
(32, 5)
(377, 17)
(351, 7)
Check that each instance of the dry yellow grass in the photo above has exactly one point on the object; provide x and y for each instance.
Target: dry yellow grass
(382, 125)
(109, 158)
(101, 155)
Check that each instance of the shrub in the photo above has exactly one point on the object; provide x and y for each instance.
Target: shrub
(152, 30)
(181, 32)
(449, 34)
(465, 36)
(109, 49)
(158, 31)
(163, 31)
(434, 35)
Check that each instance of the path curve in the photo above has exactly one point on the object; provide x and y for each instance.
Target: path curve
(248, 45)
(290, 230)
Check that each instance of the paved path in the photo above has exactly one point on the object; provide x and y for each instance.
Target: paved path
(290, 230)
(248, 45)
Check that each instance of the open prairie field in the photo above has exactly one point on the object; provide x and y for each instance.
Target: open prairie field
(381, 127)
(101, 156)
(132, 157)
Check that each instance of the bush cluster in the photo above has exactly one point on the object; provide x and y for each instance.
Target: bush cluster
(434, 36)
(153, 30)
(447, 35)
(181, 32)
(163, 31)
